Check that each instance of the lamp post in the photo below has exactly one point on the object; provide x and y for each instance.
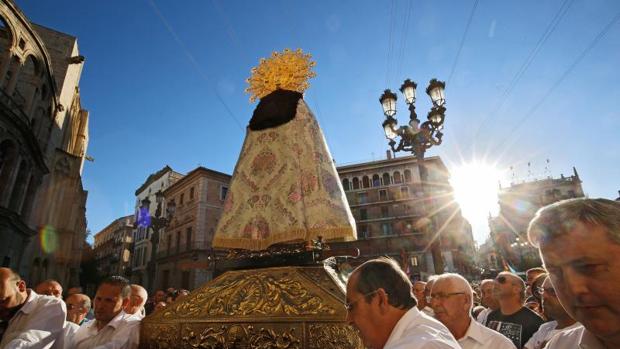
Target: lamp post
(417, 137)
(156, 223)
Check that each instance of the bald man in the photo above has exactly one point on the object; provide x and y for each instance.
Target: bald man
(452, 299)
(137, 299)
(513, 319)
(49, 287)
(487, 296)
(31, 320)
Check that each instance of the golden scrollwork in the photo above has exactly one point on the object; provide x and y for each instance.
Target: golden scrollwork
(341, 336)
(254, 293)
(240, 336)
(158, 336)
(288, 70)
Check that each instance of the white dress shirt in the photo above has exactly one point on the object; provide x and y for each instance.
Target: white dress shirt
(428, 311)
(577, 338)
(418, 330)
(68, 332)
(38, 324)
(120, 333)
(482, 317)
(545, 333)
(481, 337)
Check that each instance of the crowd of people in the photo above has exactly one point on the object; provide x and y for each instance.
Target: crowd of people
(40, 318)
(573, 302)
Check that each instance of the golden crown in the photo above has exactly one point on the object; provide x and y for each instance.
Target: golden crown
(287, 70)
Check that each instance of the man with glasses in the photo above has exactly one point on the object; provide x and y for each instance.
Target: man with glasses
(452, 299)
(513, 319)
(78, 306)
(553, 310)
(579, 242)
(381, 307)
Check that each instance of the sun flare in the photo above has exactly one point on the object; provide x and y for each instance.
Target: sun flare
(476, 186)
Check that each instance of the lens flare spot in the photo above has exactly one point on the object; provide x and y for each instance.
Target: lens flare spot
(48, 238)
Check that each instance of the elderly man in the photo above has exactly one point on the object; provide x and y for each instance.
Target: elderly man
(579, 242)
(418, 292)
(49, 287)
(112, 327)
(452, 299)
(553, 310)
(488, 300)
(381, 307)
(29, 320)
(513, 319)
(136, 302)
(78, 306)
(531, 275)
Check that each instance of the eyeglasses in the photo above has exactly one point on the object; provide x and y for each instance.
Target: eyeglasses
(349, 306)
(442, 296)
(549, 290)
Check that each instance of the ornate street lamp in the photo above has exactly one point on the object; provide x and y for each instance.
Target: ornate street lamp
(157, 223)
(415, 137)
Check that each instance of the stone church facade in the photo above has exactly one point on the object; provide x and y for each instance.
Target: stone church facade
(43, 142)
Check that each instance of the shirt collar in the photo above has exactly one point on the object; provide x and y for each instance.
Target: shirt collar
(474, 332)
(113, 323)
(29, 305)
(402, 324)
(589, 340)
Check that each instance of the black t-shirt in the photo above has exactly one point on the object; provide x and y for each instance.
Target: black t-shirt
(517, 327)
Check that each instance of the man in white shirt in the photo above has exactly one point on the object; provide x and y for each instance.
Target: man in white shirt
(138, 298)
(553, 310)
(78, 306)
(488, 299)
(381, 307)
(112, 327)
(452, 299)
(32, 320)
(579, 241)
(418, 292)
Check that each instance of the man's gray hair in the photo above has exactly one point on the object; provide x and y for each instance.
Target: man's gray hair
(561, 217)
(469, 292)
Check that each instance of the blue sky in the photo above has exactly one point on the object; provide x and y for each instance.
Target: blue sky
(164, 82)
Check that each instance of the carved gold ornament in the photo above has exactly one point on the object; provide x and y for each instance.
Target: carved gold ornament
(287, 70)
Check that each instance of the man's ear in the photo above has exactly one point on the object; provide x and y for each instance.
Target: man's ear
(21, 285)
(383, 299)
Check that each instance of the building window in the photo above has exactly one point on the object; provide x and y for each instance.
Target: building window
(362, 198)
(188, 239)
(414, 261)
(365, 182)
(386, 228)
(223, 192)
(397, 179)
(386, 179)
(191, 193)
(407, 176)
(385, 212)
(169, 244)
(383, 195)
(376, 181)
(404, 192)
(178, 246)
(356, 183)
(185, 279)
(362, 231)
(345, 184)
(363, 214)
(181, 199)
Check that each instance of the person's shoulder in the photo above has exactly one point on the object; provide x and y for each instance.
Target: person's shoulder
(566, 338)
(530, 314)
(494, 338)
(45, 303)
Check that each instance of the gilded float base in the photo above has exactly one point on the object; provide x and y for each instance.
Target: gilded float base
(281, 307)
